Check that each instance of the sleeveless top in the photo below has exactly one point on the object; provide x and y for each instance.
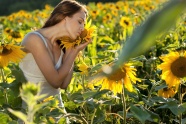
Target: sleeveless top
(33, 74)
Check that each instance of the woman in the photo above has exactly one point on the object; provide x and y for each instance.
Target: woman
(45, 61)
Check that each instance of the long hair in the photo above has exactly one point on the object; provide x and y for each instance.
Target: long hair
(63, 9)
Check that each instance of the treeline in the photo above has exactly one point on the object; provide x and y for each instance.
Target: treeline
(10, 6)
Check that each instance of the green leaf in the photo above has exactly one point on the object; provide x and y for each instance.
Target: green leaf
(87, 95)
(183, 121)
(184, 105)
(96, 67)
(18, 114)
(141, 114)
(100, 93)
(91, 105)
(76, 97)
(100, 116)
(13, 122)
(18, 75)
(174, 107)
(71, 105)
(45, 110)
(106, 102)
(62, 120)
(153, 116)
(160, 87)
(4, 118)
(161, 99)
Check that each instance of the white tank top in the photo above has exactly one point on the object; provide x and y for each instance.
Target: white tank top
(33, 74)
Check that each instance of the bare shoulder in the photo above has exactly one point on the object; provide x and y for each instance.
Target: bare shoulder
(32, 42)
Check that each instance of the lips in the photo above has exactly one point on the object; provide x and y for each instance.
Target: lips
(78, 33)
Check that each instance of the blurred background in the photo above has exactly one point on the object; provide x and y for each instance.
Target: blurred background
(10, 6)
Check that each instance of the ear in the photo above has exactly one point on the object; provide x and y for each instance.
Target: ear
(65, 18)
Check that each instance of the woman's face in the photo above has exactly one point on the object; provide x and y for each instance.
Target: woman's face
(75, 24)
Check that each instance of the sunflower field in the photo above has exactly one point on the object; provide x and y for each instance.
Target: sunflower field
(132, 73)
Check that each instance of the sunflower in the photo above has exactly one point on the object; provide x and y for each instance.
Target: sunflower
(167, 92)
(107, 17)
(125, 22)
(94, 14)
(114, 82)
(67, 42)
(10, 53)
(83, 68)
(48, 99)
(173, 68)
(88, 32)
(85, 35)
(52, 101)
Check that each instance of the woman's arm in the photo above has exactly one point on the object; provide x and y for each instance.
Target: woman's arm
(56, 78)
(69, 76)
(67, 80)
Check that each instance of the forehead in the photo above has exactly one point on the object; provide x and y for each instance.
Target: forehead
(80, 14)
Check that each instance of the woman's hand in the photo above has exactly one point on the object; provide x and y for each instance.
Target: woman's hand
(82, 45)
(75, 49)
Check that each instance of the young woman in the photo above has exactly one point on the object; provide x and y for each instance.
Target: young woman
(45, 61)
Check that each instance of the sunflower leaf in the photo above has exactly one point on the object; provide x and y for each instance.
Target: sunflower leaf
(141, 114)
(5, 118)
(174, 107)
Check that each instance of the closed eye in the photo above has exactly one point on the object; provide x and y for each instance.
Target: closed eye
(80, 22)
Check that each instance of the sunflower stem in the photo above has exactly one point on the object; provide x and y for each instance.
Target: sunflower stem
(3, 79)
(83, 76)
(180, 101)
(6, 96)
(92, 118)
(150, 93)
(2, 74)
(124, 104)
(83, 82)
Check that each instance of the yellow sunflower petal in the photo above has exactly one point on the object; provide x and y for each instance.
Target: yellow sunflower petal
(117, 87)
(128, 84)
(167, 92)
(10, 53)
(83, 68)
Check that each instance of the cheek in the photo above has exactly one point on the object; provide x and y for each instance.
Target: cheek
(75, 25)
(72, 26)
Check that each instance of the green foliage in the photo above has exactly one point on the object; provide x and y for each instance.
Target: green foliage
(5, 118)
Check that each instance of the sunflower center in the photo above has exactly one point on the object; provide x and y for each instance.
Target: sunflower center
(178, 67)
(118, 75)
(126, 22)
(84, 33)
(165, 89)
(5, 51)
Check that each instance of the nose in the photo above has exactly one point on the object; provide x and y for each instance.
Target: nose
(82, 28)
